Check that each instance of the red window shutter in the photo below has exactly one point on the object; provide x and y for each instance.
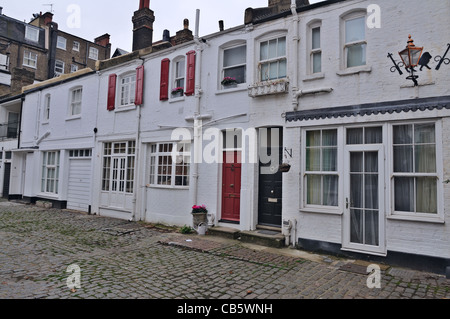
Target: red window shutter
(164, 91)
(190, 76)
(139, 98)
(112, 92)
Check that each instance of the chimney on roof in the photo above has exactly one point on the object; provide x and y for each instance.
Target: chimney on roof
(221, 25)
(103, 40)
(143, 26)
(1, 10)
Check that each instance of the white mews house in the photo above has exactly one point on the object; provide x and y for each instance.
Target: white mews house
(363, 150)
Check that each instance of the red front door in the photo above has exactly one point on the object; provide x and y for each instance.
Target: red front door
(231, 186)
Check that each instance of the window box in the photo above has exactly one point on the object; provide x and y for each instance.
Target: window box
(268, 88)
(177, 92)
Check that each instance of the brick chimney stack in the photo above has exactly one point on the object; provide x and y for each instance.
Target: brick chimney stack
(143, 26)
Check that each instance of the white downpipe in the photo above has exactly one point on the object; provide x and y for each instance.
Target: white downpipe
(296, 39)
(197, 114)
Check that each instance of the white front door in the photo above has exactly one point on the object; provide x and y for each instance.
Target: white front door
(364, 212)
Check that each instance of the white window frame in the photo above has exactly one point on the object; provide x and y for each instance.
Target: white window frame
(31, 33)
(80, 153)
(47, 107)
(59, 67)
(30, 59)
(117, 179)
(75, 104)
(127, 89)
(159, 153)
(50, 185)
(4, 62)
(358, 14)
(418, 216)
(76, 46)
(268, 61)
(241, 65)
(61, 43)
(178, 79)
(93, 53)
(73, 68)
(314, 51)
(338, 173)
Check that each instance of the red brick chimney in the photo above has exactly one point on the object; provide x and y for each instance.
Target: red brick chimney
(103, 40)
(143, 26)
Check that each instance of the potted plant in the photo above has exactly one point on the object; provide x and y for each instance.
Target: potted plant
(177, 92)
(199, 215)
(229, 82)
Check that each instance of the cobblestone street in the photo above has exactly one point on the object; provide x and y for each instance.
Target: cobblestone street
(119, 259)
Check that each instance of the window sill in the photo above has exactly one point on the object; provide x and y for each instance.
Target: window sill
(416, 218)
(239, 88)
(48, 196)
(355, 70)
(75, 117)
(125, 108)
(168, 187)
(321, 210)
(45, 122)
(29, 66)
(313, 77)
(176, 99)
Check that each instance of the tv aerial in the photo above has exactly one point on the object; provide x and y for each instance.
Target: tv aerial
(51, 6)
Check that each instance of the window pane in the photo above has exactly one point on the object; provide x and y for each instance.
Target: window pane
(355, 136)
(281, 47)
(425, 156)
(357, 229)
(314, 185)
(329, 159)
(403, 134)
(373, 135)
(356, 55)
(371, 162)
(273, 49)
(315, 38)
(371, 221)
(273, 71)
(330, 190)
(356, 162)
(426, 201)
(235, 56)
(313, 159)
(264, 72)
(282, 69)
(424, 133)
(355, 30)
(238, 73)
(264, 54)
(329, 138)
(312, 138)
(317, 62)
(356, 191)
(371, 191)
(404, 194)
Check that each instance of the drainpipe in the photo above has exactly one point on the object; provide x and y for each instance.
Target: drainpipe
(296, 39)
(22, 99)
(137, 159)
(197, 114)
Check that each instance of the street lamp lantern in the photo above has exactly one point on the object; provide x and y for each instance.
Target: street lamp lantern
(411, 55)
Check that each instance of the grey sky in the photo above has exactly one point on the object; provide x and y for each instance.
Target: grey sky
(114, 17)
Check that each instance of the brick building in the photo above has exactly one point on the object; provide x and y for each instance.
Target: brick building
(45, 51)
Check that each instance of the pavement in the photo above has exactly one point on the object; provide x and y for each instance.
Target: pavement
(61, 254)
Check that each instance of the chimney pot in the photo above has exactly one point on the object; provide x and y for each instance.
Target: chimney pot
(221, 25)
(166, 35)
(186, 24)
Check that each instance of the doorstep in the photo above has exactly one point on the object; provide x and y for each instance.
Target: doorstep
(263, 237)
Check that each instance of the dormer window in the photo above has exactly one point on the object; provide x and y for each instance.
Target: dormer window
(31, 33)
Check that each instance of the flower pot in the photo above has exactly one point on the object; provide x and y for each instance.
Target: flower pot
(177, 94)
(199, 218)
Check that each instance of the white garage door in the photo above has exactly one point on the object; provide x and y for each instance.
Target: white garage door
(79, 190)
